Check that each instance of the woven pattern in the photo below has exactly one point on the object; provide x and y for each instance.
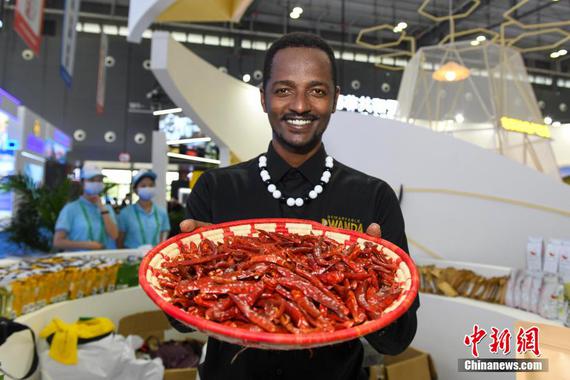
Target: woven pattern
(406, 275)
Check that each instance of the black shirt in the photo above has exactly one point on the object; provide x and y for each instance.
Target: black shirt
(351, 200)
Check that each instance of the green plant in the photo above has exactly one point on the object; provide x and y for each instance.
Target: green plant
(38, 207)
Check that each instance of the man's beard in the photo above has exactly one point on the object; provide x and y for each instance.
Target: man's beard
(299, 149)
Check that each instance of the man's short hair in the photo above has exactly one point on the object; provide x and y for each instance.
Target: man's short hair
(297, 39)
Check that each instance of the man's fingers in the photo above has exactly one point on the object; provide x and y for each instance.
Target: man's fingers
(374, 230)
(190, 225)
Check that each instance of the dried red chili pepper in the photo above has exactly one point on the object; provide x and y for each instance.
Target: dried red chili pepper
(280, 282)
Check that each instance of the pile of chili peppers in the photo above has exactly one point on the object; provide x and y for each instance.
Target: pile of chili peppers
(281, 282)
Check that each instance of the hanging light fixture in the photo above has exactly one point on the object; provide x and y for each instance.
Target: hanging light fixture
(451, 72)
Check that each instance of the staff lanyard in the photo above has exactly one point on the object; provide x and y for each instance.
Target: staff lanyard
(90, 227)
(142, 229)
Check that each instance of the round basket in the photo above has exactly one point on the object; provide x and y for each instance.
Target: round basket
(406, 274)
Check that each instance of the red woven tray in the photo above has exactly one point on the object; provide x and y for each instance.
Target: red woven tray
(407, 274)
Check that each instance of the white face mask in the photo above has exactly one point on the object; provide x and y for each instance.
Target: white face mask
(93, 188)
(146, 193)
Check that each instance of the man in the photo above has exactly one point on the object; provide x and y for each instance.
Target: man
(296, 179)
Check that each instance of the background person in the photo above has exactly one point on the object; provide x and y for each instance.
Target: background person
(143, 223)
(87, 223)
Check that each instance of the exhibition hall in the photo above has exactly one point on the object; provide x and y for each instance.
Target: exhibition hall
(311, 189)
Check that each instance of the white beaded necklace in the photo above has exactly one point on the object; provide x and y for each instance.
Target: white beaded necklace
(290, 201)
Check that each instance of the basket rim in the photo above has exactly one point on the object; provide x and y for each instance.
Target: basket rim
(281, 339)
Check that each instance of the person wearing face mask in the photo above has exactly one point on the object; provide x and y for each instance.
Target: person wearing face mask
(87, 224)
(143, 223)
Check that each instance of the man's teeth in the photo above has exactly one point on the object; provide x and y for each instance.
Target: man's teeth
(298, 121)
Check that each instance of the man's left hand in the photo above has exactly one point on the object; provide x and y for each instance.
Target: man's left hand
(374, 230)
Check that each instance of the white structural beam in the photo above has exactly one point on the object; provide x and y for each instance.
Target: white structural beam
(225, 108)
(142, 14)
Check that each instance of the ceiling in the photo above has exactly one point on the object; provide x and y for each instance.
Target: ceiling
(340, 20)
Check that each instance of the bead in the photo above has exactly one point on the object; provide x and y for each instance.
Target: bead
(264, 173)
(290, 202)
(325, 179)
(318, 189)
(328, 159)
(276, 194)
(327, 174)
(329, 164)
(313, 194)
(262, 165)
(271, 188)
(299, 202)
(262, 159)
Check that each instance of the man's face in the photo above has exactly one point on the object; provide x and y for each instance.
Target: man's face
(299, 98)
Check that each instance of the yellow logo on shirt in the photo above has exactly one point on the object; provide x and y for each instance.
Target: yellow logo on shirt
(343, 222)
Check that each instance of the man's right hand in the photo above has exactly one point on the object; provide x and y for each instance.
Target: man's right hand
(190, 225)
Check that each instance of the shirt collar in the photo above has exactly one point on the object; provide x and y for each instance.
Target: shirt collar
(86, 202)
(312, 169)
(143, 210)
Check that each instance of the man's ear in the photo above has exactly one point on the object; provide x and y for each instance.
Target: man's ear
(262, 98)
(336, 94)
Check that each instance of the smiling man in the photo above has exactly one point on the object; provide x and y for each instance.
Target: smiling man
(296, 178)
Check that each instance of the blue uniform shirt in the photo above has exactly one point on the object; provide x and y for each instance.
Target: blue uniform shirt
(72, 220)
(149, 229)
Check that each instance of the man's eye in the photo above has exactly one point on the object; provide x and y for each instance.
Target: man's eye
(282, 91)
(319, 92)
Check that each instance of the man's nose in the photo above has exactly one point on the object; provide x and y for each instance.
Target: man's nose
(300, 103)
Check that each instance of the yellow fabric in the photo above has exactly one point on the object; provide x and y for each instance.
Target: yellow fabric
(64, 344)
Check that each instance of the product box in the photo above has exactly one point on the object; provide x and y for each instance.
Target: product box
(410, 364)
(534, 254)
(154, 324)
(551, 256)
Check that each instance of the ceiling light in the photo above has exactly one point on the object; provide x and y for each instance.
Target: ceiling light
(451, 72)
(562, 52)
(193, 158)
(167, 111)
(556, 124)
(547, 120)
(459, 118)
(297, 10)
(1, 24)
(246, 78)
(294, 15)
(481, 38)
(554, 54)
(189, 141)
(402, 25)
(475, 43)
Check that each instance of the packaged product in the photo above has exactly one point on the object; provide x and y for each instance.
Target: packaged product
(535, 288)
(551, 256)
(564, 261)
(534, 254)
(551, 297)
(510, 296)
(517, 289)
(526, 285)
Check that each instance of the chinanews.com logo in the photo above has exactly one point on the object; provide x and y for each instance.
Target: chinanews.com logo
(526, 341)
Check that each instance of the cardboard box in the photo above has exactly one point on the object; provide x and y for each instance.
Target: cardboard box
(154, 323)
(410, 364)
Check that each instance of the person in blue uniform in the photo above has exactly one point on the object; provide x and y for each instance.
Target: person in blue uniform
(143, 223)
(87, 223)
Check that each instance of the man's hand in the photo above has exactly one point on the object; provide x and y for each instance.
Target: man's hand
(190, 225)
(374, 230)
